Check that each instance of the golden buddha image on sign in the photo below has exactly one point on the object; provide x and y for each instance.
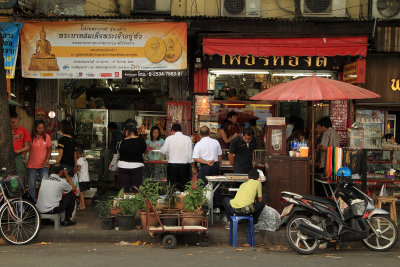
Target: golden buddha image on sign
(43, 59)
(155, 49)
(174, 49)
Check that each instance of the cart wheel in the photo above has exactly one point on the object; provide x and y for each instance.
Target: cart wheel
(169, 241)
(203, 241)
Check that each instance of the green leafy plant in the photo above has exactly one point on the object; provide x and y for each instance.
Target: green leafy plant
(103, 207)
(195, 195)
(151, 190)
(119, 195)
(128, 206)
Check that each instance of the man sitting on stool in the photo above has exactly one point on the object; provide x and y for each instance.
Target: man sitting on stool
(51, 200)
(244, 203)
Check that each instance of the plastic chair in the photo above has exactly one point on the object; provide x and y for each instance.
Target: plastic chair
(234, 227)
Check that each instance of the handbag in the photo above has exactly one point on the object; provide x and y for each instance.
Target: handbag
(114, 162)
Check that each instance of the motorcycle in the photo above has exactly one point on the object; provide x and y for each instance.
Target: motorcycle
(349, 215)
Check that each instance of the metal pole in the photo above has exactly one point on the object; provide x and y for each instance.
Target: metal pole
(312, 148)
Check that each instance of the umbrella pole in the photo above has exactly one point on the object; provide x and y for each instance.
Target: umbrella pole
(312, 149)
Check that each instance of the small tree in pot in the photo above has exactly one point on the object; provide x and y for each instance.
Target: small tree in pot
(169, 215)
(152, 191)
(103, 207)
(115, 209)
(194, 199)
(126, 218)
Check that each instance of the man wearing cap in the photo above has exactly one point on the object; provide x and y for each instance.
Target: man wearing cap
(51, 199)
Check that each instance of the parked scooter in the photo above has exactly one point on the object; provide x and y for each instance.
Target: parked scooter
(349, 215)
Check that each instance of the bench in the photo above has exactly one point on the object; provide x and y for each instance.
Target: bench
(55, 217)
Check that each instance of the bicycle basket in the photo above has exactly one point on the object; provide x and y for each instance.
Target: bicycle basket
(14, 186)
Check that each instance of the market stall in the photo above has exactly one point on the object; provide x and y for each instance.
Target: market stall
(313, 88)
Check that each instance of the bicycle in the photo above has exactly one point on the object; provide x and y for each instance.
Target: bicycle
(19, 219)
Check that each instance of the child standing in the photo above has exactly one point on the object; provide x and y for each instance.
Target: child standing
(82, 171)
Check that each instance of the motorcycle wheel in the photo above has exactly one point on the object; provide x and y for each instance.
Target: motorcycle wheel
(300, 242)
(387, 234)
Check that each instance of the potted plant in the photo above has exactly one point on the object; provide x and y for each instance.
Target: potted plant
(194, 199)
(103, 207)
(126, 218)
(151, 190)
(115, 209)
(169, 216)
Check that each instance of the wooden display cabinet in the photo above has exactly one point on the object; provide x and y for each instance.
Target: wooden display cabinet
(276, 140)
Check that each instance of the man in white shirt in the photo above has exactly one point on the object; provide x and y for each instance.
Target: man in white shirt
(208, 153)
(178, 147)
(51, 199)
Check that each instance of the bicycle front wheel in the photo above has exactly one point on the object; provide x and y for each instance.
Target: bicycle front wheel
(19, 222)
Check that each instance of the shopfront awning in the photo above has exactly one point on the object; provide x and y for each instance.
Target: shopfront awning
(332, 46)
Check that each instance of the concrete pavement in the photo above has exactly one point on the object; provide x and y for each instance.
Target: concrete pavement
(88, 229)
(111, 254)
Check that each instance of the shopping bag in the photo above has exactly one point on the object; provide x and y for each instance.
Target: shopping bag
(114, 163)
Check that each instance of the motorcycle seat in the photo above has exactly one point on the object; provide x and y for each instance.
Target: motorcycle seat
(322, 200)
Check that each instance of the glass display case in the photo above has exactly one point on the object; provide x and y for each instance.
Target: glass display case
(382, 163)
(95, 159)
(155, 165)
(96, 164)
(91, 128)
(147, 119)
(355, 137)
(372, 123)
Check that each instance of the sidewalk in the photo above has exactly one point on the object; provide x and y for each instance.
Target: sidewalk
(88, 229)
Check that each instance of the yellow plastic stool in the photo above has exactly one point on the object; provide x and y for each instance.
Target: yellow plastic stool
(392, 201)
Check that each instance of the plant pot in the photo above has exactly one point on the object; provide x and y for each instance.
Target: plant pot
(170, 216)
(126, 222)
(115, 211)
(191, 218)
(107, 223)
(152, 219)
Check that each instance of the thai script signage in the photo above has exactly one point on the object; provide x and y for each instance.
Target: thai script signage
(103, 50)
(355, 72)
(395, 84)
(274, 62)
(10, 33)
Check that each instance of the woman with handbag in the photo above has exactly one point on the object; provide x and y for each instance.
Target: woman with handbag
(130, 163)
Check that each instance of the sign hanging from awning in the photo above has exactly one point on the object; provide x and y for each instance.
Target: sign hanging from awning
(354, 72)
(329, 46)
(104, 50)
(10, 33)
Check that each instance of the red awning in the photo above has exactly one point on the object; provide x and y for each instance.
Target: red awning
(331, 46)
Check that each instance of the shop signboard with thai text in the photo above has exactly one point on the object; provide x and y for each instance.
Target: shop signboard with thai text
(274, 62)
(10, 33)
(354, 72)
(103, 50)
